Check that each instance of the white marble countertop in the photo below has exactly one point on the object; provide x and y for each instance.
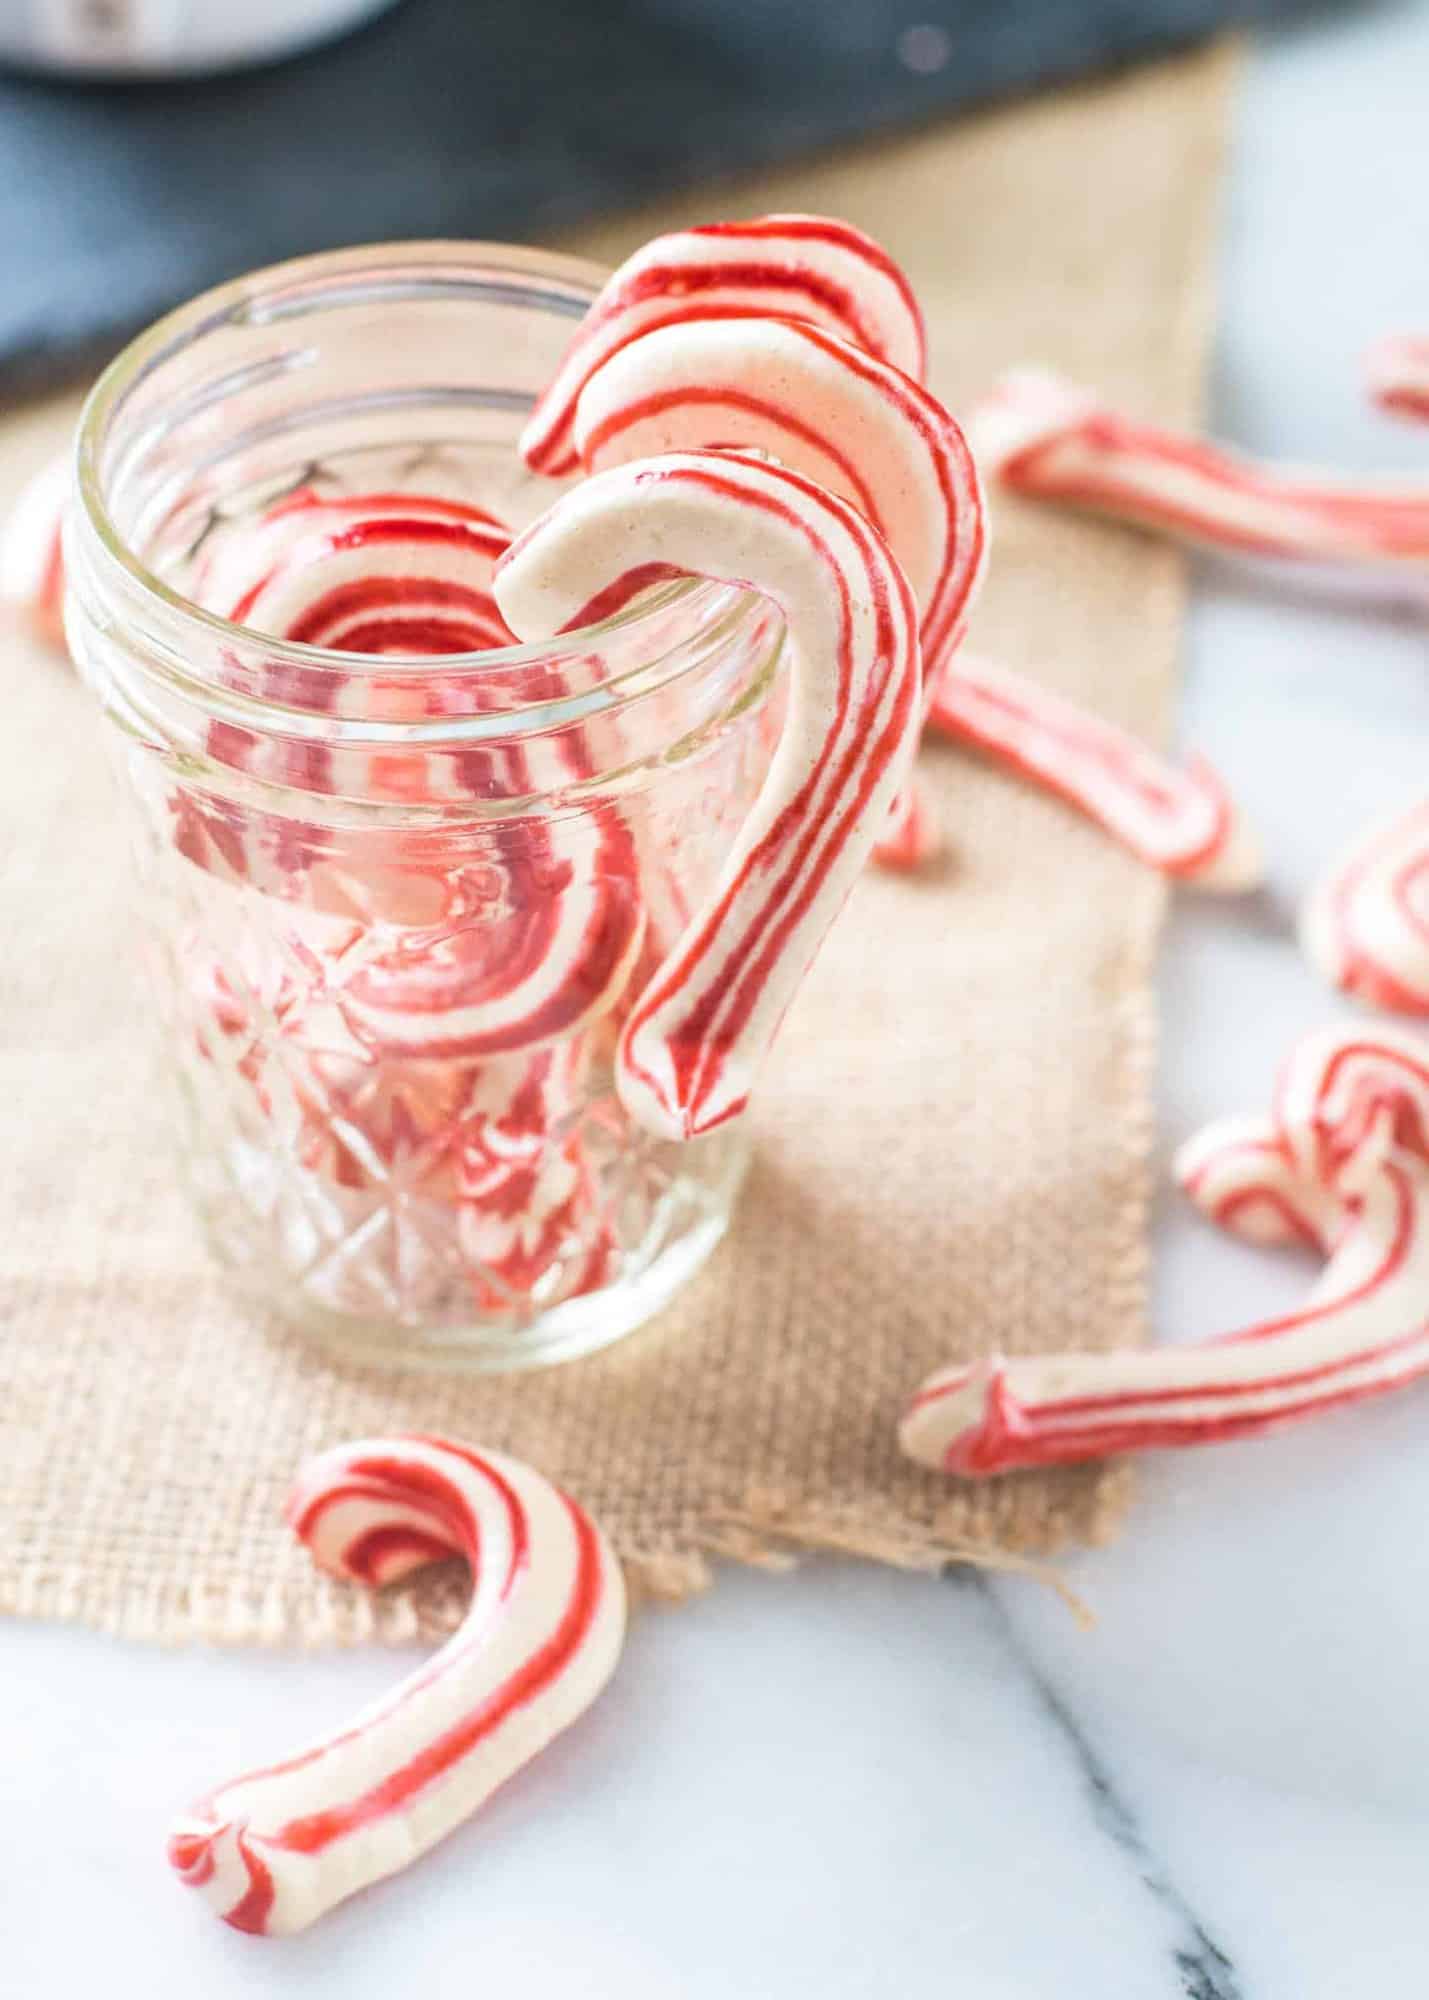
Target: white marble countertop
(852, 1783)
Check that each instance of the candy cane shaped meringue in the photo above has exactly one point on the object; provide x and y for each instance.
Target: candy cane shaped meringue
(694, 1040)
(411, 573)
(465, 1130)
(276, 1849)
(379, 573)
(807, 267)
(275, 571)
(1398, 373)
(32, 571)
(551, 957)
(495, 1142)
(559, 960)
(374, 573)
(1343, 1164)
(492, 1152)
(858, 425)
(1365, 926)
(1050, 440)
(239, 551)
(1181, 822)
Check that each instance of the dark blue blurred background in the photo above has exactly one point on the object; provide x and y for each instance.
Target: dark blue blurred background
(482, 118)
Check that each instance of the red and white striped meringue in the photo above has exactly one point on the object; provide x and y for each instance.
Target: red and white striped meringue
(1398, 373)
(807, 267)
(493, 1143)
(274, 1850)
(870, 434)
(1241, 1176)
(560, 959)
(1365, 926)
(458, 1132)
(1182, 822)
(542, 1223)
(858, 425)
(826, 408)
(32, 571)
(1050, 440)
(379, 573)
(370, 573)
(695, 1038)
(1343, 1164)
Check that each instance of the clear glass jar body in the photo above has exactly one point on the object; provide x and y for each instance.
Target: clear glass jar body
(398, 908)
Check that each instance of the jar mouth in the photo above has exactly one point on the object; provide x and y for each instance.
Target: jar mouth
(374, 274)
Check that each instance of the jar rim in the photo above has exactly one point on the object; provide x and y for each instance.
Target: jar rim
(414, 265)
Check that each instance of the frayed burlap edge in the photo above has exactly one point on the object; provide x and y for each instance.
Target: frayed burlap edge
(764, 1537)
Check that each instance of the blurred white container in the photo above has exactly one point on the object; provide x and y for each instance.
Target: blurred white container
(133, 38)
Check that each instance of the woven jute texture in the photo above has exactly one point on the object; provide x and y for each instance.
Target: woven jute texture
(953, 1142)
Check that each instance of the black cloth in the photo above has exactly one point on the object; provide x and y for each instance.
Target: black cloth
(490, 118)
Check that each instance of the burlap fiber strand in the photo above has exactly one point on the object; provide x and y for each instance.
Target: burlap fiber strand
(954, 1138)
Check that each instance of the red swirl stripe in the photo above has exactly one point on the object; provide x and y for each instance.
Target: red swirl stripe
(810, 266)
(717, 1017)
(596, 444)
(828, 230)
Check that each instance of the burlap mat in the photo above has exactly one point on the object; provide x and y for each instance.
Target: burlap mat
(953, 1144)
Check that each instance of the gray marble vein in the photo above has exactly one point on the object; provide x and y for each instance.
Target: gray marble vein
(1203, 1968)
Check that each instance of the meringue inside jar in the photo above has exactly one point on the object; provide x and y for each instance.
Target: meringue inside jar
(402, 879)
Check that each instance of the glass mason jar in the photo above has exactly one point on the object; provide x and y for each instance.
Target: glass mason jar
(398, 907)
